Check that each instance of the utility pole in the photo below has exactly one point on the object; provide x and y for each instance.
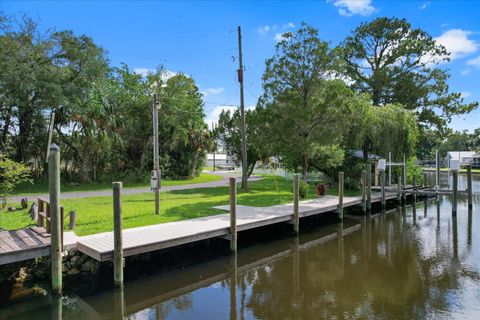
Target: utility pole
(156, 165)
(242, 113)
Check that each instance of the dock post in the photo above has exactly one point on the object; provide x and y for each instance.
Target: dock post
(117, 235)
(414, 188)
(57, 307)
(364, 192)
(382, 181)
(56, 227)
(455, 192)
(399, 192)
(425, 180)
(296, 217)
(233, 214)
(404, 184)
(340, 195)
(390, 169)
(437, 169)
(469, 187)
(369, 187)
(119, 303)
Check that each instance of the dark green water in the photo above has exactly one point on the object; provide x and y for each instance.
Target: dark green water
(408, 263)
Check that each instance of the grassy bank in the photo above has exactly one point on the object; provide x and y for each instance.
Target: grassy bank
(42, 186)
(94, 214)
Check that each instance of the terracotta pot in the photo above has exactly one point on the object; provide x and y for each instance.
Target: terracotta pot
(321, 189)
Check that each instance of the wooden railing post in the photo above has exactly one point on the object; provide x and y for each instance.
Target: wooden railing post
(340, 194)
(369, 187)
(233, 214)
(296, 217)
(469, 187)
(382, 181)
(54, 212)
(364, 192)
(117, 235)
(455, 192)
(399, 190)
(414, 188)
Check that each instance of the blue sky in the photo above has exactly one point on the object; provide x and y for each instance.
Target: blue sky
(199, 38)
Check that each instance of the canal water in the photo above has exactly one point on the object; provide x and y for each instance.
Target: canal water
(415, 262)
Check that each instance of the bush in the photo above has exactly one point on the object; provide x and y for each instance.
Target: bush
(11, 174)
(303, 189)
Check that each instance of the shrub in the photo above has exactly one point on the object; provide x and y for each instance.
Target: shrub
(303, 188)
(11, 174)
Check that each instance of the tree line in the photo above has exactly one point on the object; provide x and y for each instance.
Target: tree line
(380, 90)
(103, 114)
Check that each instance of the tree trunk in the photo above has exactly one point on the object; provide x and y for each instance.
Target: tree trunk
(305, 167)
(6, 127)
(85, 168)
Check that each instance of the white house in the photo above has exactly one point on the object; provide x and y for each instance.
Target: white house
(465, 158)
(221, 159)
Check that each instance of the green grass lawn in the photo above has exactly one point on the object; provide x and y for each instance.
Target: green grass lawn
(95, 215)
(42, 186)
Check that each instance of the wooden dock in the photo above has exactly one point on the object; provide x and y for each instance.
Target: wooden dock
(151, 238)
(23, 244)
(34, 242)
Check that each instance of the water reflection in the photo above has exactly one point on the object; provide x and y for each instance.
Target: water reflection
(396, 265)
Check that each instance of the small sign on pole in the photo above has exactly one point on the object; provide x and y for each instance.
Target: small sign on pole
(382, 164)
(153, 180)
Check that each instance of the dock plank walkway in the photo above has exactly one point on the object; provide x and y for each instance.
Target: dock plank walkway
(23, 244)
(156, 237)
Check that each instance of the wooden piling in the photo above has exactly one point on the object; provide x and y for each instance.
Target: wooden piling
(117, 235)
(340, 194)
(119, 303)
(73, 219)
(296, 216)
(469, 187)
(369, 187)
(414, 188)
(399, 192)
(437, 169)
(455, 192)
(404, 182)
(233, 214)
(55, 219)
(382, 182)
(390, 169)
(364, 192)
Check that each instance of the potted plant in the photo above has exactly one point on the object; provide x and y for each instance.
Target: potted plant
(321, 189)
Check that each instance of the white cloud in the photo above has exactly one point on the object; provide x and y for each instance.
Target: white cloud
(213, 91)
(349, 8)
(214, 114)
(143, 71)
(456, 42)
(268, 28)
(278, 37)
(466, 94)
(424, 5)
(166, 74)
(474, 62)
(264, 29)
